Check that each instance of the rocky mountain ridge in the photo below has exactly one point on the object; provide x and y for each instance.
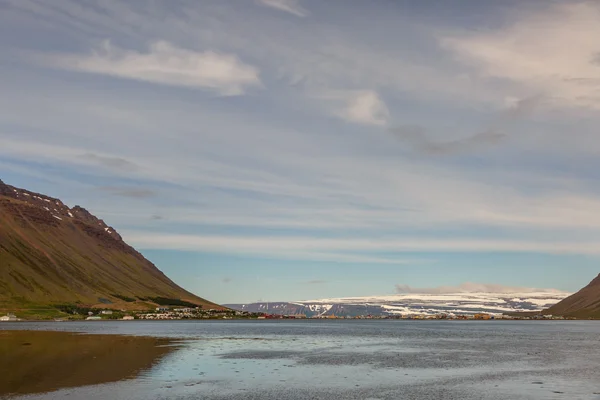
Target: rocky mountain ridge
(55, 208)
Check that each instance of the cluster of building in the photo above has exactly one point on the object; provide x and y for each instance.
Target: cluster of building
(102, 314)
(163, 313)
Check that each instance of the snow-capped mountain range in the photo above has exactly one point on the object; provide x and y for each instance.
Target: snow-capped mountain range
(412, 304)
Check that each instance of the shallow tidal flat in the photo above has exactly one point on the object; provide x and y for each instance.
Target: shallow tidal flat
(38, 361)
(289, 360)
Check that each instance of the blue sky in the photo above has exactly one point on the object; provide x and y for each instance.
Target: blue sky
(286, 150)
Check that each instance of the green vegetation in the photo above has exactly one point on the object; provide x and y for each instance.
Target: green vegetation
(75, 309)
(115, 315)
(163, 301)
(40, 313)
(124, 298)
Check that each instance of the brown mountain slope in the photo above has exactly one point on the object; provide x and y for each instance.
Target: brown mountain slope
(53, 254)
(583, 304)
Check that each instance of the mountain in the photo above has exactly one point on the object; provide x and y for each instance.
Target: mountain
(583, 304)
(51, 254)
(411, 304)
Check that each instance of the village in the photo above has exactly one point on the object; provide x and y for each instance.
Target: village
(197, 313)
(162, 313)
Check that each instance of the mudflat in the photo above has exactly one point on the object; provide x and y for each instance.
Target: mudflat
(38, 361)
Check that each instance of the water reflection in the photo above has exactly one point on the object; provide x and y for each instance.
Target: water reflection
(35, 361)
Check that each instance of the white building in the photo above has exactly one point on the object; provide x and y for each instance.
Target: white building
(9, 318)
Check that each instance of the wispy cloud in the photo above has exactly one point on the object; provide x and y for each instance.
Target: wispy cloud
(311, 247)
(371, 195)
(416, 136)
(227, 279)
(545, 50)
(164, 63)
(289, 6)
(109, 161)
(133, 192)
(347, 59)
(470, 287)
(316, 282)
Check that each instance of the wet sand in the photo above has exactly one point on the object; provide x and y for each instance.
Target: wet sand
(37, 362)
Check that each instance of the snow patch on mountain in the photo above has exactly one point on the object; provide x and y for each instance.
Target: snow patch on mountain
(415, 304)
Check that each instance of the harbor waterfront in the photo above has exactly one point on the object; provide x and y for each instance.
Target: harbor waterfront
(301, 359)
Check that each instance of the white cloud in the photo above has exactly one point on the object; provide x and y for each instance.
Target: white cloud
(367, 108)
(165, 64)
(357, 106)
(289, 6)
(552, 51)
(316, 55)
(471, 287)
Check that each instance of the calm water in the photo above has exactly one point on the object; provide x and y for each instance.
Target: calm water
(355, 360)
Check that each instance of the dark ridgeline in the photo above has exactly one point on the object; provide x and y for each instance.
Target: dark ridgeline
(583, 304)
(53, 254)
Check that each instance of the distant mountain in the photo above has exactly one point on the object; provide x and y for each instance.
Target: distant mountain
(53, 254)
(583, 304)
(411, 304)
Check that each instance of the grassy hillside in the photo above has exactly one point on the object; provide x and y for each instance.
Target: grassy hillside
(51, 254)
(583, 304)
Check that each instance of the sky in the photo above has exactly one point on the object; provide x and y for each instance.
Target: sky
(283, 150)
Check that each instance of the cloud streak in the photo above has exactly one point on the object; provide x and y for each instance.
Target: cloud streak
(290, 6)
(132, 192)
(117, 163)
(303, 246)
(469, 287)
(164, 63)
(350, 196)
(416, 136)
